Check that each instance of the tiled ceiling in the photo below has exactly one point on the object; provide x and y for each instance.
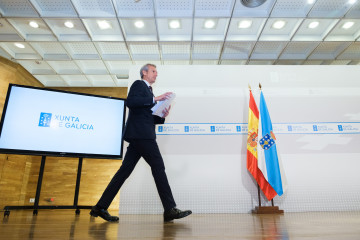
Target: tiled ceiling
(86, 55)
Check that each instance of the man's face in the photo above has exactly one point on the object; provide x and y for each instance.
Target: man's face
(150, 75)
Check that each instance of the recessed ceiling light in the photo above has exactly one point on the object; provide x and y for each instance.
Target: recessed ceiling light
(174, 24)
(311, 1)
(33, 24)
(314, 24)
(245, 24)
(347, 25)
(19, 45)
(139, 24)
(69, 24)
(103, 24)
(279, 24)
(352, 1)
(209, 24)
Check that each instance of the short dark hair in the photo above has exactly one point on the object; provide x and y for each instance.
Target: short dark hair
(145, 68)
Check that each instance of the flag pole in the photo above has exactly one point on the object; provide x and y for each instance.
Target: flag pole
(259, 195)
(266, 209)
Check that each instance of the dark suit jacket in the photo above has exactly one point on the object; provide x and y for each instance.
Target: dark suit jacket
(140, 123)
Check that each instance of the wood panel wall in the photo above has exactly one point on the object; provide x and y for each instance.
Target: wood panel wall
(14, 169)
(19, 173)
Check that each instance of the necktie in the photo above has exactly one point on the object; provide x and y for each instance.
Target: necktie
(150, 89)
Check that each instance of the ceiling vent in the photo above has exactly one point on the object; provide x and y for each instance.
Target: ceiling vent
(252, 3)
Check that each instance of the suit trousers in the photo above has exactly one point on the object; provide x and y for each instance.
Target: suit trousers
(149, 150)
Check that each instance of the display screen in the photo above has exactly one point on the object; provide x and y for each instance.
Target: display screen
(39, 121)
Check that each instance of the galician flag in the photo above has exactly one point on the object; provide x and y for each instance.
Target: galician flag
(269, 161)
(252, 150)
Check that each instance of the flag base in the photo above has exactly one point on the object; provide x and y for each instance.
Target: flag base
(267, 210)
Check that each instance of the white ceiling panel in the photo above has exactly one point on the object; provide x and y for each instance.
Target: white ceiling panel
(176, 51)
(17, 8)
(92, 66)
(352, 52)
(289, 62)
(142, 51)
(354, 12)
(263, 10)
(206, 50)
(81, 50)
(270, 33)
(205, 62)
(113, 50)
(183, 33)
(27, 52)
(339, 33)
(237, 50)
(101, 80)
(261, 62)
(147, 33)
(121, 82)
(237, 32)
(50, 50)
(298, 50)
(174, 8)
(51, 80)
(131, 8)
(176, 62)
(233, 62)
(353, 62)
(217, 33)
(94, 8)
(42, 33)
(76, 80)
(330, 8)
(118, 67)
(4, 54)
(340, 62)
(214, 8)
(291, 8)
(51, 8)
(8, 32)
(65, 67)
(112, 33)
(143, 62)
(37, 67)
(268, 50)
(328, 50)
(313, 62)
(63, 33)
(305, 33)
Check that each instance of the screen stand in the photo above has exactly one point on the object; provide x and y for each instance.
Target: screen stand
(38, 190)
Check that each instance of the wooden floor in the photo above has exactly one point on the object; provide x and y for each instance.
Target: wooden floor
(64, 224)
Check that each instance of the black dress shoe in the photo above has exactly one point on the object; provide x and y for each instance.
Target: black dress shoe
(175, 213)
(104, 214)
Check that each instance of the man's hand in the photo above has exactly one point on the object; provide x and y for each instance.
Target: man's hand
(163, 96)
(166, 111)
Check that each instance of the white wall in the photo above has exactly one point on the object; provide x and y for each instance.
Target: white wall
(207, 170)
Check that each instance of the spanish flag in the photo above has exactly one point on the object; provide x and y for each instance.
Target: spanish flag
(252, 153)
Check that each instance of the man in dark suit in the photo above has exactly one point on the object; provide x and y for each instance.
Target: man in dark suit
(140, 133)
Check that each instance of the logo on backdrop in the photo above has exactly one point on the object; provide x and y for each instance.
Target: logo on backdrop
(45, 119)
(71, 122)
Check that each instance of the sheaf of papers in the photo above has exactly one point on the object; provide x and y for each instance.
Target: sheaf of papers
(160, 106)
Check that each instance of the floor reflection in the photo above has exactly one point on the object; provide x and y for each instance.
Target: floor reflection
(176, 230)
(60, 224)
(273, 227)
